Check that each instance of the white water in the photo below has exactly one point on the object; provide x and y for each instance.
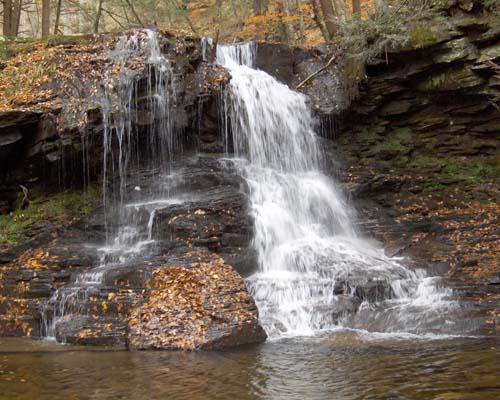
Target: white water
(206, 47)
(129, 214)
(304, 237)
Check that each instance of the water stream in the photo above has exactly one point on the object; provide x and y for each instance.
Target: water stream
(396, 331)
(129, 209)
(314, 269)
(315, 273)
(345, 367)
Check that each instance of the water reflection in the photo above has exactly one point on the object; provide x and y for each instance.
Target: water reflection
(346, 366)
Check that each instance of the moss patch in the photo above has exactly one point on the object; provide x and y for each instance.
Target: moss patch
(59, 209)
(421, 36)
(473, 172)
(452, 79)
(394, 147)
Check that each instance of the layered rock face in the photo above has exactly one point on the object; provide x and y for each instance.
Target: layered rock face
(44, 271)
(213, 220)
(54, 134)
(418, 153)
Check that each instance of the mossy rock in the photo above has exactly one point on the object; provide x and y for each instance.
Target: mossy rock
(421, 36)
(429, 33)
(393, 148)
(452, 79)
(59, 209)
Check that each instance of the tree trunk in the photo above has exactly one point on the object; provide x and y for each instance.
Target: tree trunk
(338, 11)
(58, 17)
(16, 18)
(98, 17)
(284, 38)
(7, 17)
(317, 16)
(45, 18)
(134, 13)
(329, 17)
(257, 7)
(356, 7)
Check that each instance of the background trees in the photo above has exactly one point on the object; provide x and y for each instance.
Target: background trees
(295, 21)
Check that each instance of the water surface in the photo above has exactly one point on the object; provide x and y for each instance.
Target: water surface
(346, 365)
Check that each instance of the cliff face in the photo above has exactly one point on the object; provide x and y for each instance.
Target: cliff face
(52, 147)
(51, 118)
(418, 152)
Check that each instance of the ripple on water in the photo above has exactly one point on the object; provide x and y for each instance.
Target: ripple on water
(340, 366)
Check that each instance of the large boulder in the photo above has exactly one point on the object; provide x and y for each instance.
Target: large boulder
(198, 306)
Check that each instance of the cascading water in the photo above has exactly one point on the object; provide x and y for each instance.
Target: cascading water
(129, 210)
(206, 47)
(312, 265)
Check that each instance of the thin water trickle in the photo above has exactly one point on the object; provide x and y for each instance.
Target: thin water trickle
(314, 269)
(129, 214)
(206, 47)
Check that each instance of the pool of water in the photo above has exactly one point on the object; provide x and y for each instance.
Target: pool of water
(347, 365)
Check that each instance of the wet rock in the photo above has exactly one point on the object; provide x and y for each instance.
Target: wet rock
(215, 217)
(341, 306)
(10, 138)
(18, 118)
(85, 330)
(381, 183)
(374, 291)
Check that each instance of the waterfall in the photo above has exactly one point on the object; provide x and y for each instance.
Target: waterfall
(206, 44)
(121, 109)
(312, 266)
(129, 211)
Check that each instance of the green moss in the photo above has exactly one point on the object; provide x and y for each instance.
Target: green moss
(472, 172)
(450, 80)
(26, 75)
(396, 140)
(59, 209)
(65, 40)
(425, 163)
(354, 66)
(421, 36)
(434, 82)
(437, 170)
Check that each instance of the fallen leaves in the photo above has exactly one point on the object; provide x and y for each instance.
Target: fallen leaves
(186, 305)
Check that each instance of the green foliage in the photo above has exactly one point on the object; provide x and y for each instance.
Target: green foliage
(461, 170)
(60, 209)
(24, 76)
(435, 82)
(65, 40)
(10, 47)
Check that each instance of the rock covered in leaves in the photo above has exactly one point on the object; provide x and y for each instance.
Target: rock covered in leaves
(201, 306)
